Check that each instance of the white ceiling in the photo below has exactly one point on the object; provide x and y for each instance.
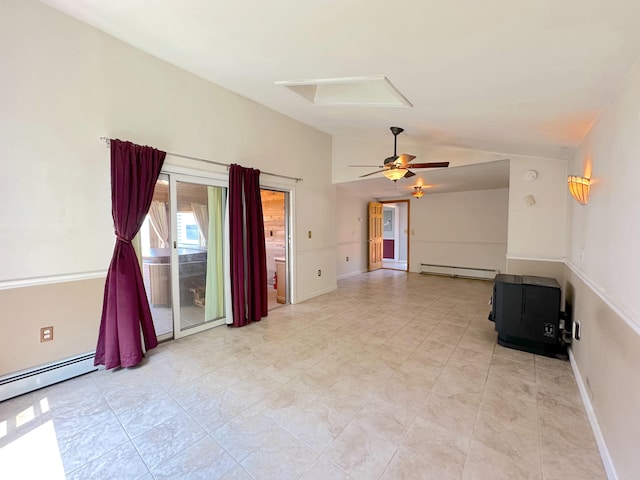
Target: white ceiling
(513, 76)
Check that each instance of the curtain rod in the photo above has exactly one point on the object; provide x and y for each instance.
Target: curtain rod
(107, 141)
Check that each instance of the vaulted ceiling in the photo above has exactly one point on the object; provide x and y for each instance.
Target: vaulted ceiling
(511, 76)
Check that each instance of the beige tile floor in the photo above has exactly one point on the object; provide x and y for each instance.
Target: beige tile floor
(394, 264)
(191, 315)
(392, 376)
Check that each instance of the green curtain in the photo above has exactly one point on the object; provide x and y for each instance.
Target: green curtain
(214, 293)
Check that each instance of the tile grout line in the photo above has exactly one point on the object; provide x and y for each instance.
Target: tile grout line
(475, 423)
(535, 363)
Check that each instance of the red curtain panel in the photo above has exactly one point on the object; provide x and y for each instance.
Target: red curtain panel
(247, 249)
(257, 300)
(125, 310)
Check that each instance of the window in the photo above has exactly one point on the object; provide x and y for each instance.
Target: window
(188, 234)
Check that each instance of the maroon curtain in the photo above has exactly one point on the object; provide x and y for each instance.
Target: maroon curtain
(134, 172)
(236, 247)
(247, 249)
(257, 301)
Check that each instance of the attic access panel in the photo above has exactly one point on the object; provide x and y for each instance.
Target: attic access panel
(375, 91)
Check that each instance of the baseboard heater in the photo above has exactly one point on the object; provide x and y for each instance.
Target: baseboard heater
(454, 271)
(26, 381)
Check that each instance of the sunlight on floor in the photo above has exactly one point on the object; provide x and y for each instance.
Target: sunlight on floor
(34, 454)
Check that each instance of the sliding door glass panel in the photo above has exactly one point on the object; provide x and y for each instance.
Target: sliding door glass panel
(199, 255)
(155, 254)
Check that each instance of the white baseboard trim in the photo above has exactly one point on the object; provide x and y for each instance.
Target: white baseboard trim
(316, 294)
(602, 445)
(350, 274)
(26, 381)
(458, 271)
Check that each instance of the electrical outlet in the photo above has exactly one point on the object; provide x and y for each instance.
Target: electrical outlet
(576, 330)
(347, 259)
(319, 273)
(46, 334)
(309, 233)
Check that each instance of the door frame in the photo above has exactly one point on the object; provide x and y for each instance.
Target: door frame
(175, 262)
(289, 226)
(196, 176)
(408, 202)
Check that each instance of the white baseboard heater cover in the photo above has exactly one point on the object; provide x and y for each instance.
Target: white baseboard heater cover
(454, 271)
(26, 381)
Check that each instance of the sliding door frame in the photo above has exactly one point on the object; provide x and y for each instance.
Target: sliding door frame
(188, 175)
(267, 183)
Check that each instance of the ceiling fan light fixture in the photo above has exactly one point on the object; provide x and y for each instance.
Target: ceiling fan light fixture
(417, 191)
(397, 166)
(395, 173)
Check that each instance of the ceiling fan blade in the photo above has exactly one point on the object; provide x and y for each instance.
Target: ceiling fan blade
(405, 158)
(429, 165)
(368, 166)
(372, 173)
(409, 174)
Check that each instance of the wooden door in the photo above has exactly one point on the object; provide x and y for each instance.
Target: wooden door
(375, 236)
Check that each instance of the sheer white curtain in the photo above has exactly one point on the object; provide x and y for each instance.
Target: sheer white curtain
(201, 215)
(160, 222)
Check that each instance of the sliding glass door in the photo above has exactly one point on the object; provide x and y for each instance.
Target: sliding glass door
(183, 255)
(197, 254)
(155, 255)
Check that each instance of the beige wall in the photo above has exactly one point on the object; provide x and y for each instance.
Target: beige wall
(351, 232)
(73, 308)
(603, 250)
(466, 229)
(537, 231)
(65, 84)
(539, 268)
(607, 357)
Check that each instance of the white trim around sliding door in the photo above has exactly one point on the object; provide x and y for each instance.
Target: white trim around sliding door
(268, 183)
(202, 178)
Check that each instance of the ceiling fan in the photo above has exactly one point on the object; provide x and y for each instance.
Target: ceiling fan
(397, 166)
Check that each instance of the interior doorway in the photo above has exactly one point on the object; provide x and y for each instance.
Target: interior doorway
(275, 214)
(395, 235)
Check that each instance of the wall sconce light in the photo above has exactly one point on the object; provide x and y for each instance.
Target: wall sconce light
(579, 188)
(417, 191)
